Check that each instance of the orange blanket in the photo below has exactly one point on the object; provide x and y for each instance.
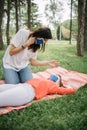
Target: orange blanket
(73, 78)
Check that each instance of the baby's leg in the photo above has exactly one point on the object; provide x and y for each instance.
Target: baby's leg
(18, 95)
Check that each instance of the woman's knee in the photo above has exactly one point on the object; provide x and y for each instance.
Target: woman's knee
(11, 76)
(25, 74)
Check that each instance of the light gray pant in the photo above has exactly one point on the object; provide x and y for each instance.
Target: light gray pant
(16, 94)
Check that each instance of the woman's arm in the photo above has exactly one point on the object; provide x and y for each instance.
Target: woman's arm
(35, 62)
(14, 50)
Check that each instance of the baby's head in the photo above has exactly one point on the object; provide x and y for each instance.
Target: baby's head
(57, 79)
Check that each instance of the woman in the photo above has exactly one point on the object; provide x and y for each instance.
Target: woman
(21, 52)
(36, 88)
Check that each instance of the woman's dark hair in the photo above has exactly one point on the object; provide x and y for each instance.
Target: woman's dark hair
(44, 32)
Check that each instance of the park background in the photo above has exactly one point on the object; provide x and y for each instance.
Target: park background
(68, 47)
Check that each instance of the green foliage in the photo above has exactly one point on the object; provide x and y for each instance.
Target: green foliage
(65, 113)
(1, 56)
(23, 17)
(65, 29)
(34, 17)
(66, 24)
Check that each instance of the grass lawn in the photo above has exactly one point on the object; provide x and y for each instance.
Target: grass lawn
(65, 113)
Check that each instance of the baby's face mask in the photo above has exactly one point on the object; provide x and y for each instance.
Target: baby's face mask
(56, 79)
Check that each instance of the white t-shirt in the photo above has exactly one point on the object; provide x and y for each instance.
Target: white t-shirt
(21, 59)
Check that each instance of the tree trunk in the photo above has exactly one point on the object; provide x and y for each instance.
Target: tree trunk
(1, 17)
(85, 30)
(80, 40)
(8, 21)
(16, 14)
(20, 18)
(29, 12)
(71, 23)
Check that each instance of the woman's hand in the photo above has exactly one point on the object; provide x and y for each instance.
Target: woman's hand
(53, 63)
(30, 41)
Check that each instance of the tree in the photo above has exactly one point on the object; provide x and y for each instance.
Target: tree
(1, 18)
(80, 39)
(8, 21)
(16, 14)
(71, 23)
(29, 12)
(54, 12)
(35, 22)
(75, 8)
(85, 28)
(19, 13)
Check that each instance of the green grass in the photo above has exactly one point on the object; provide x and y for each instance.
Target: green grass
(65, 113)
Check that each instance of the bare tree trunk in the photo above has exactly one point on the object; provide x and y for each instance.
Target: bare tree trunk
(85, 30)
(19, 9)
(1, 17)
(16, 14)
(29, 12)
(80, 40)
(71, 23)
(1, 40)
(8, 20)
